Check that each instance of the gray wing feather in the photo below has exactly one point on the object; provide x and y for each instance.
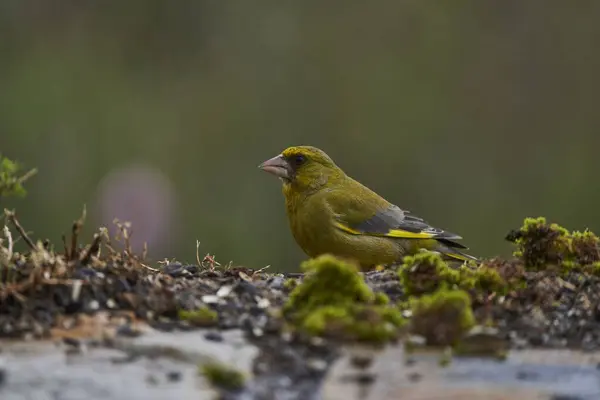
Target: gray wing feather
(396, 218)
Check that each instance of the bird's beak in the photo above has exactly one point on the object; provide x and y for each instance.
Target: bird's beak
(277, 166)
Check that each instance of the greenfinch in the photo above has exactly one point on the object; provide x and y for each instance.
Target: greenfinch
(330, 212)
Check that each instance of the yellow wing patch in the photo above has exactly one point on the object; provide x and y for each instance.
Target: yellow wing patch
(461, 257)
(395, 233)
(347, 229)
(398, 233)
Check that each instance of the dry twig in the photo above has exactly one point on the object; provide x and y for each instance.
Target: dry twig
(10, 216)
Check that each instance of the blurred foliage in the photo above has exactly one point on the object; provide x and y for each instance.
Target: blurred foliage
(11, 184)
(472, 116)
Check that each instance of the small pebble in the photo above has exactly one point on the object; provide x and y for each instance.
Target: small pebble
(213, 336)
(128, 330)
(152, 380)
(257, 332)
(361, 362)
(526, 375)
(317, 364)
(172, 269)
(210, 299)
(363, 378)
(85, 272)
(276, 282)
(414, 376)
(192, 269)
(3, 374)
(410, 361)
(224, 291)
(173, 376)
(263, 303)
(69, 341)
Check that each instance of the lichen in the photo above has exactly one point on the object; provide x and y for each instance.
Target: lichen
(222, 376)
(334, 301)
(201, 317)
(442, 317)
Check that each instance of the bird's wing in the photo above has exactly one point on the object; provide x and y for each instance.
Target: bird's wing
(397, 223)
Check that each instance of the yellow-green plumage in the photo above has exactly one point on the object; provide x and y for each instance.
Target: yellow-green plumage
(329, 212)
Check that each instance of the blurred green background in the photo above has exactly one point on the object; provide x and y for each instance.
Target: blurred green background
(473, 115)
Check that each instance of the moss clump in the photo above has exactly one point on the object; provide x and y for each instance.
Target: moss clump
(334, 301)
(290, 283)
(495, 275)
(201, 317)
(540, 245)
(425, 272)
(442, 317)
(484, 278)
(381, 298)
(593, 269)
(222, 376)
(585, 249)
(488, 279)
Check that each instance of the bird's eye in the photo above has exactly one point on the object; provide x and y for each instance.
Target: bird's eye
(299, 159)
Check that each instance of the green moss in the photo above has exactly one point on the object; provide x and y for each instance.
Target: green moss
(201, 317)
(510, 275)
(593, 269)
(290, 283)
(425, 272)
(445, 359)
(442, 317)
(334, 301)
(484, 278)
(11, 184)
(381, 298)
(222, 376)
(585, 247)
(488, 279)
(541, 245)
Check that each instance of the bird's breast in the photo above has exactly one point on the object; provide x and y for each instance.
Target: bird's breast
(310, 223)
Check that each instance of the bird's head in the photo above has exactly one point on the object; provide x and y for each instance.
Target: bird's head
(305, 167)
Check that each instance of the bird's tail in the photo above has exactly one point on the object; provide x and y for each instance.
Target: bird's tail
(450, 249)
(458, 255)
